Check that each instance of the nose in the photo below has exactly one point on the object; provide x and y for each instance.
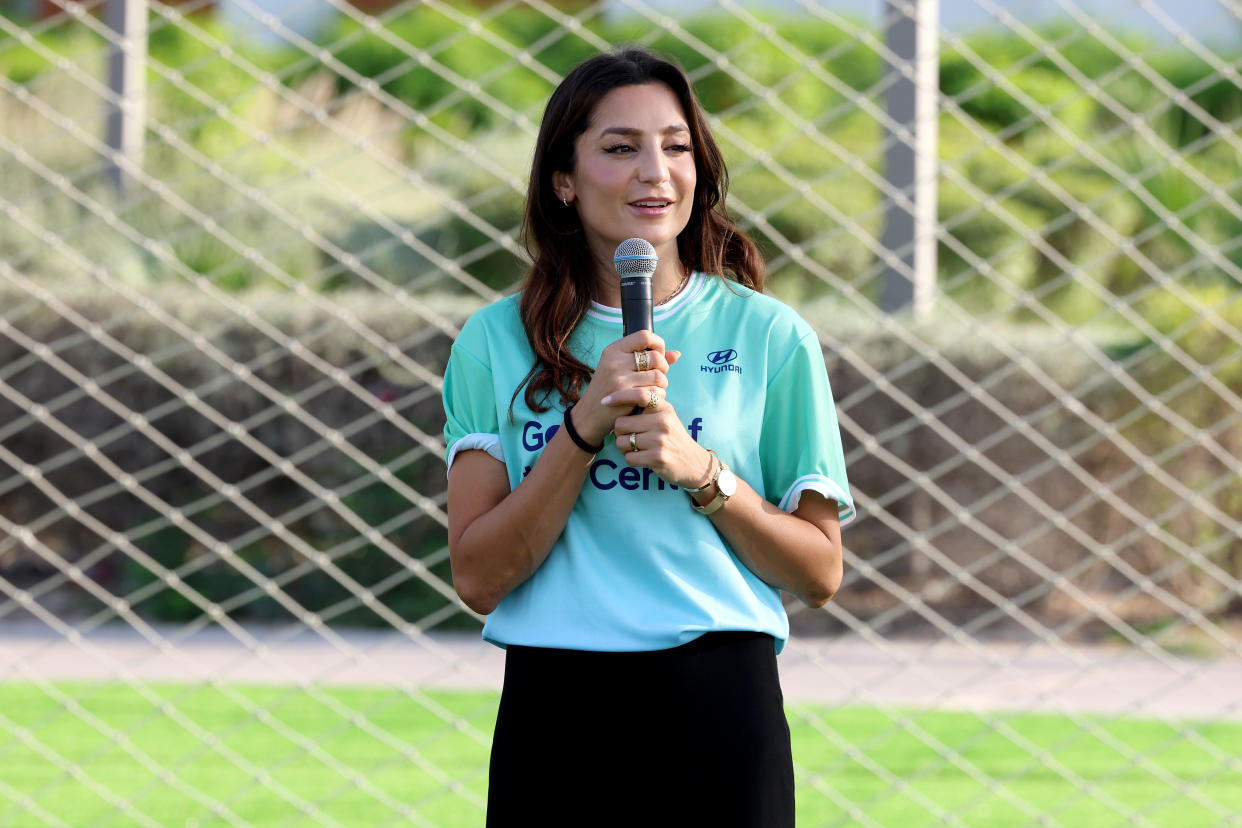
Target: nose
(653, 166)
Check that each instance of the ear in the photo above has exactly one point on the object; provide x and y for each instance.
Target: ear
(563, 186)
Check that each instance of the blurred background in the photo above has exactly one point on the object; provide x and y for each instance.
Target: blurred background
(239, 237)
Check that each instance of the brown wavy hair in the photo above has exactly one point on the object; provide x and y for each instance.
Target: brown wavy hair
(561, 282)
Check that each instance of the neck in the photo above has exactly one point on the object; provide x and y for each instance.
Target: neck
(668, 278)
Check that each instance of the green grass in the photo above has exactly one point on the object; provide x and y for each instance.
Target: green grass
(76, 752)
(910, 768)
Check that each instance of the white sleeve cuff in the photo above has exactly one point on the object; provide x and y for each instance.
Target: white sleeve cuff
(485, 442)
(824, 486)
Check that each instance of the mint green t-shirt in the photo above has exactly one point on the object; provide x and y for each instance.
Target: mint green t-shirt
(635, 567)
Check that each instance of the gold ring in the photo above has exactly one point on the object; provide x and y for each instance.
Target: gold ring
(642, 361)
(633, 442)
(653, 400)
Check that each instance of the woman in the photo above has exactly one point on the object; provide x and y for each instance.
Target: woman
(631, 563)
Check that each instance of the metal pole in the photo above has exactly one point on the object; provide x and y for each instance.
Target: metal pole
(127, 78)
(910, 162)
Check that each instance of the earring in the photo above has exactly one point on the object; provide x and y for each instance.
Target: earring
(564, 201)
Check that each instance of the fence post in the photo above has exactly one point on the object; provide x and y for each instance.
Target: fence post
(911, 31)
(127, 78)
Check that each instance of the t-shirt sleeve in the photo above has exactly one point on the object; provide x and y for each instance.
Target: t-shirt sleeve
(800, 445)
(469, 405)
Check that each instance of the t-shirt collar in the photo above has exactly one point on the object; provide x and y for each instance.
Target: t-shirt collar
(682, 298)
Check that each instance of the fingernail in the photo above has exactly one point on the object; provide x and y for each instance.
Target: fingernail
(606, 400)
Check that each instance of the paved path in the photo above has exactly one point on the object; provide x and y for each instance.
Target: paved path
(942, 675)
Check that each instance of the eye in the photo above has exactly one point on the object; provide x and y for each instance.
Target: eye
(618, 149)
(679, 148)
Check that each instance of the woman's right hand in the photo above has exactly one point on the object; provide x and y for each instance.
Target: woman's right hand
(498, 536)
(618, 380)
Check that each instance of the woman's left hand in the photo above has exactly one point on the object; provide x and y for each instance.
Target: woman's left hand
(799, 552)
(656, 439)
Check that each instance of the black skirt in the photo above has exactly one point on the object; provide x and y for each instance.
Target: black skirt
(694, 735)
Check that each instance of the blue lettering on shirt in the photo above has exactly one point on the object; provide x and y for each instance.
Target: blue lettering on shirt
(604, 473)
(534, 438)
(595, 467)
(629, 478)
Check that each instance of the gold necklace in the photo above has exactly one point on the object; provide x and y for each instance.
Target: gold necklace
(685, 278)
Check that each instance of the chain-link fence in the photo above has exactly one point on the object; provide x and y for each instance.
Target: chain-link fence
(238, 240)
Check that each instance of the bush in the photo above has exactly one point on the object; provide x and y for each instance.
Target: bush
(395, 59)
(1026, 235)
(376, 537)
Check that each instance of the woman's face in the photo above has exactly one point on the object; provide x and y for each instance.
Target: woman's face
(634, 175)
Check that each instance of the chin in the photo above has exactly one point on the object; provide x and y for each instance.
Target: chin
(657, 234)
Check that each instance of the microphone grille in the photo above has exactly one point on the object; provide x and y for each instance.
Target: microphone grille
(635, 257)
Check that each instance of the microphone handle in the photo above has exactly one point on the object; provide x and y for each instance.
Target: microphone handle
(636, 303)
(636, 309)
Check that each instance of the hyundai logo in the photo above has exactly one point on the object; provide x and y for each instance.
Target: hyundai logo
(722, 357)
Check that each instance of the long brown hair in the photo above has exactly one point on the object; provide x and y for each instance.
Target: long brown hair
(561, 282)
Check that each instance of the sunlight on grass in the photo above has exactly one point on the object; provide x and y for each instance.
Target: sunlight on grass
(198, 755)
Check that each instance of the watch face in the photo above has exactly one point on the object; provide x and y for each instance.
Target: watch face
(727, 483)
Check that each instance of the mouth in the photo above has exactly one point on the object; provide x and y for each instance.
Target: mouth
(652, 206)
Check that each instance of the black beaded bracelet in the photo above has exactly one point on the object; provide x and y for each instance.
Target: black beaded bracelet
(576, 437)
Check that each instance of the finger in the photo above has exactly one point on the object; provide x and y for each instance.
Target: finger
(653, 378)
(641, 341)
(645, 361)
(639, 448)
(616, 361)
(649, 361)
(659, 361)
(651, 428)
(671, 357)
(637, 397)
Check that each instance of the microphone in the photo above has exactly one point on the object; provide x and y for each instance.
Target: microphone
(635, 261)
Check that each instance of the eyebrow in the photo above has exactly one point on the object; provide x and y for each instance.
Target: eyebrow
(633, 131)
